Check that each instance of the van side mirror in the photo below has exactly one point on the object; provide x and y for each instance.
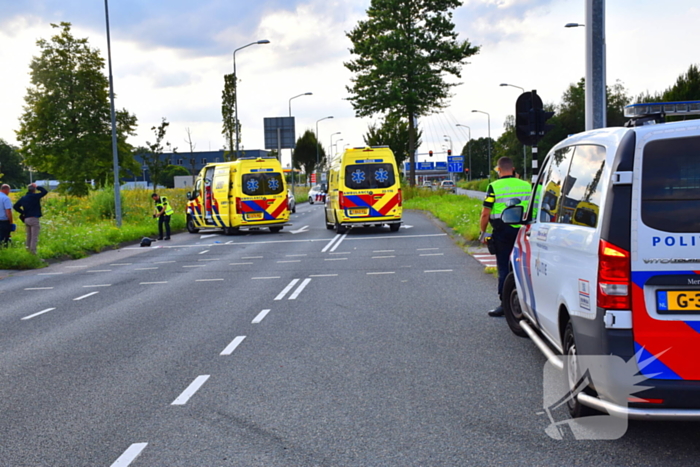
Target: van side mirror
(512, 215)
(189, 196)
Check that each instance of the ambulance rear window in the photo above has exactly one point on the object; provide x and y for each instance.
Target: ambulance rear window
(671, 185)
(369, 176)
(260, 184)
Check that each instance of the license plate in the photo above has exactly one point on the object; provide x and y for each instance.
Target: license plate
(683, 301)
(358, 212)
(254, 216)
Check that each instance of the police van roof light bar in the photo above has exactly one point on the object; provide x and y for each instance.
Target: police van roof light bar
(662, 108)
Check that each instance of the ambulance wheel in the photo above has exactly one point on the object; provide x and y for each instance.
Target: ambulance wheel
(230, 230)
(511, 306)
(275, 229)
(190, 225)
(340, 229)
(572, 375)
(394, 227)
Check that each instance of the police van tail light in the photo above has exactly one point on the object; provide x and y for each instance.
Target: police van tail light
(613, 277)
(341, 200)
(239, 206)
(400, 198)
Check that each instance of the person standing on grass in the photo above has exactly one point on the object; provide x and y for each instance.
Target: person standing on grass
(163, 212)
(29, 209)
(6, 224)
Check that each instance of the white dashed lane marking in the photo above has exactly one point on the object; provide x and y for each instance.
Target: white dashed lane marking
(129, 455)
(260, 316)
(232, 346)
(39, 313)
(85, 296)
(191, 390)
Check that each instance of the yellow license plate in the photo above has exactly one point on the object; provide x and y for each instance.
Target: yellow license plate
(678, 301)
(254, 216)
(358, 212)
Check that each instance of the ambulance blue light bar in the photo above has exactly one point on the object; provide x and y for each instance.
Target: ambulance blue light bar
(665, 108)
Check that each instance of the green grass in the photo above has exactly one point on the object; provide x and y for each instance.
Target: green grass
(461, 213)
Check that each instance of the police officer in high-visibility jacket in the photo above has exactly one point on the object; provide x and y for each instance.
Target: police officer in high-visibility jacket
(163, 211)
(506, 191)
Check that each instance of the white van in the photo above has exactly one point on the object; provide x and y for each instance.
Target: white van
(608, 261)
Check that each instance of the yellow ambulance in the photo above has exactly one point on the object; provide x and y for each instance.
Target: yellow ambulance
(364, 190)
(247, 194)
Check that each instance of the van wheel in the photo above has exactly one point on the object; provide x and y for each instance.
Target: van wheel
(511, 306)
(340, 229)
(394, 227)
(275, 229)
(230, 230)
(190, 225)
(294, 210)
(572, 375)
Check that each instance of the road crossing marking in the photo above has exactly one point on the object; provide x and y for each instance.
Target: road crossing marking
(260, 316)
(281, 295)
(299, 289)
(232, 346)
(191, 390)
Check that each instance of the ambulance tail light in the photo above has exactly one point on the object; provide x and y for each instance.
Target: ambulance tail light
(341, 200)
(613, 277)
(239, 206)
(400, 198)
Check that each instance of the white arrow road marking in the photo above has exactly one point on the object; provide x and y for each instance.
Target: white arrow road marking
(404, 226)
(303, 229)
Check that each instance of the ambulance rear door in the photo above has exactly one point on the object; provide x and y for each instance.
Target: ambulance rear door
(221, 202)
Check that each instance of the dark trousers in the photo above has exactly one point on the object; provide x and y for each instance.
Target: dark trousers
(161, 221)
(504, 240)
(5, 231)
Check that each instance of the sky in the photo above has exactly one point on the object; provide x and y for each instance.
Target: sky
(169, 58)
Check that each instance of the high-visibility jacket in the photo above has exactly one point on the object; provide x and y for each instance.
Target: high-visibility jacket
(504, 192)
(163, 203)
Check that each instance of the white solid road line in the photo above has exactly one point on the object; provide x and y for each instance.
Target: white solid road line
(85, 296)
(40, 313)
(98, 285)
(281, 295)
(328, 245)
(38, 288)
(374, 273)
(207, 280)
(191, 389)
(260, 317)
(129, 455)
(339, 242)
(438, 270)
(299, 289)
(232, 346)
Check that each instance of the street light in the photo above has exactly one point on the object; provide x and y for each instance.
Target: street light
(331, 146)
(524, 150)
(291, 156)
(448, 139)
(115, 154)
(489, 141)
(336, 145)
(318, 144)
(469, 149)
(235, 88)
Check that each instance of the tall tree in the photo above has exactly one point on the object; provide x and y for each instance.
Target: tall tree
(12, 171)
(480, 156)
(305, 152)
(153, 158)
(66, 125)
(392, 132)
(404, 51)
(191, 146)
(228, 114)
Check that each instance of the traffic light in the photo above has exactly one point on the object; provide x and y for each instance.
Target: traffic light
(449, 152)
(430, 153)
(530, 118)
(541, 117)
(466, 170)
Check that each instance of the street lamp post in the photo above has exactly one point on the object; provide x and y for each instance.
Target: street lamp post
(235, 95)
(489, 141)
(115, 154)
(469, 149)
(318, 144)
(331, 146)
(291, 156)
(524, 150)
(335, 145)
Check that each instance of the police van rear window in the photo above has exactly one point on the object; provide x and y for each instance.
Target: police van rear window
(369, 176)
(260, 184)
(671, 185)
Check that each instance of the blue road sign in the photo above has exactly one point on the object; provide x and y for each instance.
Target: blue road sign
(456, 167)
(455, 159)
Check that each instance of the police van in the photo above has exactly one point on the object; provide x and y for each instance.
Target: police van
(364, 190)
(247, 194)
(608, 262)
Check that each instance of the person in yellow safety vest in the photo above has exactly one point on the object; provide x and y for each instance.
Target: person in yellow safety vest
(506, 191)
(163, 212)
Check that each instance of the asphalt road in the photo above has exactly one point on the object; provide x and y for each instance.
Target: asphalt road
(303, 348)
